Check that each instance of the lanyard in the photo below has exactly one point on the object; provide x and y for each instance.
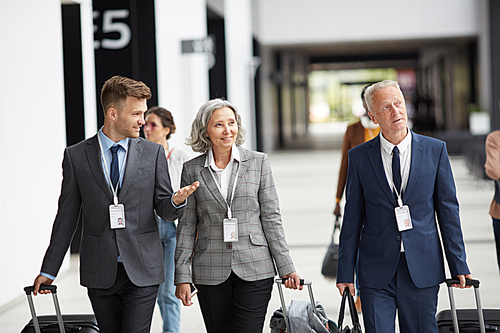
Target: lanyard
(400, 200)
(170, 152)
(229, 214)
(114, 190)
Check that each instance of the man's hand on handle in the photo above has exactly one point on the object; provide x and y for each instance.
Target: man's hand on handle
(180, 196)
(40, 279)
(462, 281)
(341, 287)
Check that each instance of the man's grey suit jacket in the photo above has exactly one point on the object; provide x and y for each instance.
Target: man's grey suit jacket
(85, 190)
(201, 254)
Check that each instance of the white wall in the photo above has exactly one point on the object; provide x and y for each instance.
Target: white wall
(326, 21)
(239, 55)
(32, 137)
(183, 84)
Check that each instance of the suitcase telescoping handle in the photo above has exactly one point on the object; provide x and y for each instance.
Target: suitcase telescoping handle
(53, 290)
(468, 282)
(303, 282)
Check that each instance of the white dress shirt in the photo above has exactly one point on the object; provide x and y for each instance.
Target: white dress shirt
(223, 176)
(404, 159)
(404, 148)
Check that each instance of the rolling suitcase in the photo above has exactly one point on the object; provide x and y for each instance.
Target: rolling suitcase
(300, 316)
(467, 320)
(83, 323)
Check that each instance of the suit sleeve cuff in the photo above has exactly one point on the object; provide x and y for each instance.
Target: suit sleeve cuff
(52, 277)
(181, 205)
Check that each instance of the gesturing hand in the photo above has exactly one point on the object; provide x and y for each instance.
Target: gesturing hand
(180, 196)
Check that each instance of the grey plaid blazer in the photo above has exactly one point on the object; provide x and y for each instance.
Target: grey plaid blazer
(206, 259)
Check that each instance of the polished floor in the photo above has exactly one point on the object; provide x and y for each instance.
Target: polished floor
(306, 182)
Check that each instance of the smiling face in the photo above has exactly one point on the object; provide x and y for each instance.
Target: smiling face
(222, 130)
(389, 112)
(154, 129)
(128, 120)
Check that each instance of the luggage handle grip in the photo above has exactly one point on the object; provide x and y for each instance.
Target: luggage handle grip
(303, 282)
(468, 282)
(52, 288)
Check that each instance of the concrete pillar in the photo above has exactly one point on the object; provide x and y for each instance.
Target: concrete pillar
(32, 139)
(183, 83)
(88, 70)
(240, 63)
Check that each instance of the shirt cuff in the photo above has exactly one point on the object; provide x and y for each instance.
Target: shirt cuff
(181, 205)
(52, 277)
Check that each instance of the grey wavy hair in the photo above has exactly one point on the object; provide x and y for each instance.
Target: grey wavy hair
(371, 90)
(197, 139)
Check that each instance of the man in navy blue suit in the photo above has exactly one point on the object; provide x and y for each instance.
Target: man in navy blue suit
(397, 184)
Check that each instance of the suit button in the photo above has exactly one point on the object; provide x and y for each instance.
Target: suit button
(114, 237)
(398, 238)
(229, 246)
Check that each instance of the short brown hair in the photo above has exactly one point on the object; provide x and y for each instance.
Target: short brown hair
(167, 120)
(116, 89)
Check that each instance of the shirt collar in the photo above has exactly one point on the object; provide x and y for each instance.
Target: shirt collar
(402, 146)
(107, 143)
(235, 155)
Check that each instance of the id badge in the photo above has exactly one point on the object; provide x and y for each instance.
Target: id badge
(230, 230)
(117, 216)
(403, 218)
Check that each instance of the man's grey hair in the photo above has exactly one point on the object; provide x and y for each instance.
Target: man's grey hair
(198, 139)
(371, 90)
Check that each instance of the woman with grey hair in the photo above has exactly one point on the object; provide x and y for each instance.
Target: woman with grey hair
(230, 238)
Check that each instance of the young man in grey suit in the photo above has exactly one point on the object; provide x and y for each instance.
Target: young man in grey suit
(116, 174)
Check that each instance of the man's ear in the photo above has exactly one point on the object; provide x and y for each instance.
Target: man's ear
(112, 113)
(372, 117)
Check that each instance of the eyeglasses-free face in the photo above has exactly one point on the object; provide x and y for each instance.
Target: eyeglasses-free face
(154, 129)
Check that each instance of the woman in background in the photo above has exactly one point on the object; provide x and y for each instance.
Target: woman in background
(158, 128)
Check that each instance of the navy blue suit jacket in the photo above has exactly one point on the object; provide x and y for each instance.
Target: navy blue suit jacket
(370, 224)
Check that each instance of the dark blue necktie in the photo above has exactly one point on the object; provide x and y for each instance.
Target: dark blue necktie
(115, 172)
(396, 170)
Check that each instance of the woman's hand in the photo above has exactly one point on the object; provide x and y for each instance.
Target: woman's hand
(292, 281)
(183, 292)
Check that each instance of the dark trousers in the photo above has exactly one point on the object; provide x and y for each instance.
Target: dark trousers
(124, 307)
(235, 305)
(416, 306)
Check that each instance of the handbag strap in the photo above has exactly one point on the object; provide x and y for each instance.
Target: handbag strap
(336, 224)
(352, 308)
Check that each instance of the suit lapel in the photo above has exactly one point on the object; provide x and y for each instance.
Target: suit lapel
(375, 158)
(209, 181)
(243, 166)
(94, 159)
(133, 160)
(417, 150)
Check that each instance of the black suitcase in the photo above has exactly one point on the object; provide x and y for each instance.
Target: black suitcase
(468, 320)
(83, 323)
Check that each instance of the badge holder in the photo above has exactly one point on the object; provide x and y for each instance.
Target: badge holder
(116, 215)
(230, 228)
(403, 217)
